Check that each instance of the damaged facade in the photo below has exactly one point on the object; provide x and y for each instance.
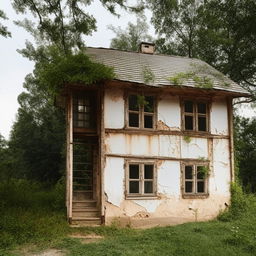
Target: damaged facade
(153, 146)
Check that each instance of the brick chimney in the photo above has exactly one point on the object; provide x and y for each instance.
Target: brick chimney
(148, 48)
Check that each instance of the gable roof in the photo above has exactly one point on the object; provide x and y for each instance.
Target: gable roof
(163, 70)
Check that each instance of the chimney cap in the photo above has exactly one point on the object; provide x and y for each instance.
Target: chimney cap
(146, 47)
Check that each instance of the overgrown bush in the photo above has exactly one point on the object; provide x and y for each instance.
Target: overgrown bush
(241, 204)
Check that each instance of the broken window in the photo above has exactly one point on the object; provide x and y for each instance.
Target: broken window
(141, 111)
(195, 116)
(141, 179)
(195, 178)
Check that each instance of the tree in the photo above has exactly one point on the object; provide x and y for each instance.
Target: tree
(221, 32)
(62, 22)
(3, 30)
(177, 22)
(129, 39)
(245, 145)
(37, 141)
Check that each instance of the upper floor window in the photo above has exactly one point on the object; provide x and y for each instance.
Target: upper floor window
(195, 116)
(141, 111)
(140, 179)
(84, 111)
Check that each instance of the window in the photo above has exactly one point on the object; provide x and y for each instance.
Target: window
(195, 116)
(195, 179)
(141, 179)
(84, 111)
(141, 111)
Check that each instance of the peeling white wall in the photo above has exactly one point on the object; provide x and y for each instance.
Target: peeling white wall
(221, 179)
(168, 178)
(169, 202)
(146, 145)
(114, 109)
(196, 148)
(169, 111)
(114, 180)
(219, 118)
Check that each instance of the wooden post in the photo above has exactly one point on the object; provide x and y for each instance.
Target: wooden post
(69, 157)
(231, 138)
(102, 152)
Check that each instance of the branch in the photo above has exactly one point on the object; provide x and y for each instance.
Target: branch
(244, 101)
(37, 11)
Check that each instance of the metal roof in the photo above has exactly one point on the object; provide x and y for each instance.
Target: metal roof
(162, 70)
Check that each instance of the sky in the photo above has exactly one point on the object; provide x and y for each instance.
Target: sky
(14, 67)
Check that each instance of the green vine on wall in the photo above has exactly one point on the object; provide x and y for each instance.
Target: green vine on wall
(187, 138)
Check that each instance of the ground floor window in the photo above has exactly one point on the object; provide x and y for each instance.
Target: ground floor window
(140, 179)
(195, 179)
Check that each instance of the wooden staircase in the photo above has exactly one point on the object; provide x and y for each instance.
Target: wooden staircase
(85, 212)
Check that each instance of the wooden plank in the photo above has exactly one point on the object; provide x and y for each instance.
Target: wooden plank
(102, 155)
(164, 132)
(140, 157)
(231, 138)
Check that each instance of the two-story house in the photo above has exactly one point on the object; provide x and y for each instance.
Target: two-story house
(154, 146)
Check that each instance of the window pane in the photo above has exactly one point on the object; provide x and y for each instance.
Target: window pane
(188, 106)
(134, 187)
(200, 172)
(189, 123)
(134, 171)
(80, 123)
(149, 106)
(148, 171)
(200, 187)
(133, 120)
(133, 102)
(202, 123)
(201, 108)
(189, 172)
(148, 187)
(148, 121)
(188, 186)
(81, 108)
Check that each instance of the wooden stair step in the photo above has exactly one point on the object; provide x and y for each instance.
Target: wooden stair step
(85, 209)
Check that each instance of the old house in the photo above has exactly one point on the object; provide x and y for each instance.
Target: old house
(154, 145)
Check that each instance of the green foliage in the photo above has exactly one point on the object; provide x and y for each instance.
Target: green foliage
(148, 75)
(241, 204)
(245, 152)
(219, 32)
(130, 38)
(204, 170)
(200, 82)
(63, 23)
(70, 69)
(3, 29)
(29, 214)
(187, 138)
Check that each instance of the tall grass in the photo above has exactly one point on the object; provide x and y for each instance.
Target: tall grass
(30, 213)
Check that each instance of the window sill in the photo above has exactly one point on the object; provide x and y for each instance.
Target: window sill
(195, 196)
(143, 197)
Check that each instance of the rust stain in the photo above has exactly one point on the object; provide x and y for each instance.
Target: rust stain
(115, 94)
(141, 215)
(159, 163)
(162, 126)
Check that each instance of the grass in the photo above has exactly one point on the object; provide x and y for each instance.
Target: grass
(25, 222)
